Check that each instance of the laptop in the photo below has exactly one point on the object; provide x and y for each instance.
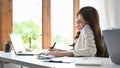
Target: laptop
(112, 40)
(18, 45)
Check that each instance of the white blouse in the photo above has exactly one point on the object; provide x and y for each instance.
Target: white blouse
(85, 45)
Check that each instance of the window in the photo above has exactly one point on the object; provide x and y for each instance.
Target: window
(62, 22)
(17, 14)
(27, 20)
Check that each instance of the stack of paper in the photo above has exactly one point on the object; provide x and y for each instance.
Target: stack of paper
(43, 57)
(65, 59)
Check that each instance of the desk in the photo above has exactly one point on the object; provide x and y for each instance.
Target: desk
(33, 62)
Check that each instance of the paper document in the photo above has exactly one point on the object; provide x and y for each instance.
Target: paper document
(43, 57)
(64, 59)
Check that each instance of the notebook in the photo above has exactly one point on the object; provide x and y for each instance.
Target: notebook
(18, 45)
(112, 41)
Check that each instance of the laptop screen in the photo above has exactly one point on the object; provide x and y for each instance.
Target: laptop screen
(17, 42)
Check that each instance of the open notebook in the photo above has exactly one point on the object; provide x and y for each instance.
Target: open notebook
(18, 45)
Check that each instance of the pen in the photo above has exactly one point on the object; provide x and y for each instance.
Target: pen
(53, 45)
(56, 61)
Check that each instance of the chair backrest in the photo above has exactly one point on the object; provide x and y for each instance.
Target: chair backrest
(112, 40)
(106, 54)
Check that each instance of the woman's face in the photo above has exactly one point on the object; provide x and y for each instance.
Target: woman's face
(81, 22)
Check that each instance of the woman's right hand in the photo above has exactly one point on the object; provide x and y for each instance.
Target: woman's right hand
(54, 49)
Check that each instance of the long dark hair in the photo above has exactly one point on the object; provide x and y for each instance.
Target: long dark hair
(91, 16)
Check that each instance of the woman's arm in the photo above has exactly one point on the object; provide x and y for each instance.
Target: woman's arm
(61, 53)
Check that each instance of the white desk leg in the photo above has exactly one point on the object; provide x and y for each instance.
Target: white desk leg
(1, 64)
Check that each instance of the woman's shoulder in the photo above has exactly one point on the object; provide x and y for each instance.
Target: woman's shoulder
(87, 29)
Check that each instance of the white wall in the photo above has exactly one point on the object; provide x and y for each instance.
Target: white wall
(116, 3)
(114, 13)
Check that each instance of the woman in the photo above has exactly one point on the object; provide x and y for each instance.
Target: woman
(89, 41)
